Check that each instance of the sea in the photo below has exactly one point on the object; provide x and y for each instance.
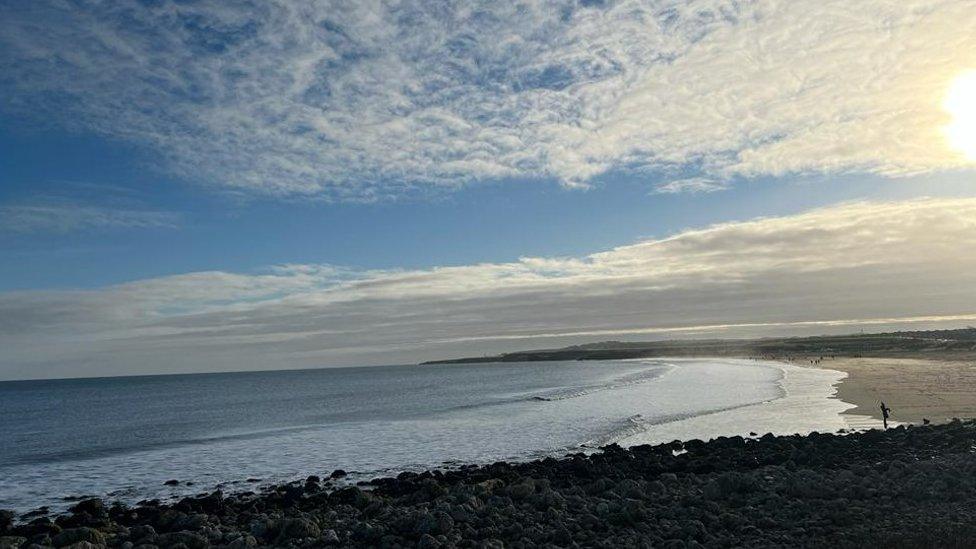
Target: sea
(122, 438)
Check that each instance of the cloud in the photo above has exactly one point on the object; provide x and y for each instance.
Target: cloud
(880, 263)
(691, 185)
(374, 100)
(63, 217)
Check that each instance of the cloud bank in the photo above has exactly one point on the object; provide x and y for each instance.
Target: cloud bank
(370, 100)
(880, 262)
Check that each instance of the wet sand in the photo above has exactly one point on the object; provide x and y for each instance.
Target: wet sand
(913, 388)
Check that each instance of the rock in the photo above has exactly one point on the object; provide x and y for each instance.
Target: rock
(190, 540)
(41, 526)
(297, 528)
(171, 482)
(12, 542)
(142, 534)
(75, 535)
(85, 545)
(350, 495)
(728, 484)
(491, 485)
(93, 506)
(434, 523)
(902, 488)
(6, 520)
(329, 537)
(521, 491)
(338, 473)
(170, 520)
(242, 542)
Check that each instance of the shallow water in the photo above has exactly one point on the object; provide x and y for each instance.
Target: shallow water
(123, 437)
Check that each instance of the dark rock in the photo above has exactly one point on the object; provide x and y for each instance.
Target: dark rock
(142, 534)
(338, 473)
(243, 542)
(297, 528)
(172, 482)
(190, 540)
(329, 537)
(901, 488)
(93, 507)
(12, 542)
(75, 535)
(6, 520)
(42, 526)
(350, 495)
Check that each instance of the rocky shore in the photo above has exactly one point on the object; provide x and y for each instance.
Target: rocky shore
(910, 486)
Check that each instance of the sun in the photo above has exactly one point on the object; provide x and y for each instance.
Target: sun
(960, 103)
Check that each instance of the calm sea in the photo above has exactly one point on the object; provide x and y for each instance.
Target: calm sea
(124, 437)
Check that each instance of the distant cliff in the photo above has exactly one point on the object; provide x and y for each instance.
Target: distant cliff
(960, 343)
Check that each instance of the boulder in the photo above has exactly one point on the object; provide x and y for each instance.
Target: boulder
(6, 520)
(329, 537)
(93, 507)
(75, 535)
(297, 528)
(190, 540)
(143, 533)
(243, 542)
(12, 542)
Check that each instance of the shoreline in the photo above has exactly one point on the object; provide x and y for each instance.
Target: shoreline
(908, 384)
(937, 389)
(809, 402)
(909, 486)
(802, 408)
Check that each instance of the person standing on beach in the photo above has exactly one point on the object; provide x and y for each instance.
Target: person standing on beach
(885, 411)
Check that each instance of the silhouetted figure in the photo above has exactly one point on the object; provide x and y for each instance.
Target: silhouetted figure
(885, 411)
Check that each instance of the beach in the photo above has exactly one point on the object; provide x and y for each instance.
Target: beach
(937, 389)
(904, 487)
(124, 438)
(742, 452)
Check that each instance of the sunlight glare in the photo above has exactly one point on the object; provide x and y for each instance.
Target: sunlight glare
(960, 102)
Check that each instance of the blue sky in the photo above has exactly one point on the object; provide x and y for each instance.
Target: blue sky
(493, 221)
(330, 184)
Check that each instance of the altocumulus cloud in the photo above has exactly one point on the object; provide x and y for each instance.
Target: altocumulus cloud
(369, 100)
(881, 262)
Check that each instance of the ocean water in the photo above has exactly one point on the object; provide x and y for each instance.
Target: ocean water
(122, 438)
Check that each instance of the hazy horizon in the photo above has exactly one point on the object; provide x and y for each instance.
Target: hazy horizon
(207, 187)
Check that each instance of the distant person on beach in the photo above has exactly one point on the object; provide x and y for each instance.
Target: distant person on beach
(885, 411)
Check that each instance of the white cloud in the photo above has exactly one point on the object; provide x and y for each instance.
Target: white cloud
(691, 185)
(368, 100)
(877, 263)
(62, 217)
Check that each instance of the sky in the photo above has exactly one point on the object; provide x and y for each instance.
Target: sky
(191, 186)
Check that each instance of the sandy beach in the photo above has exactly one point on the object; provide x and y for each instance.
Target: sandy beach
(914, 389)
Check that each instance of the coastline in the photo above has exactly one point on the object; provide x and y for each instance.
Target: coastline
(809, 403)
(373, 513)
(937, 389)
(905, 487)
